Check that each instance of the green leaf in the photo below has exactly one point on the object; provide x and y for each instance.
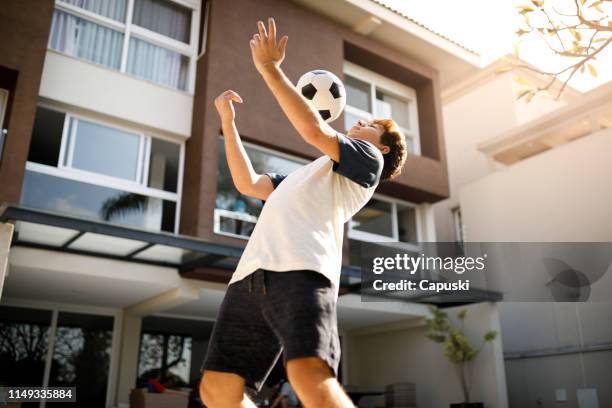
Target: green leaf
(592, 70)
(462, 313)
(538, 3)
(490, 335)
(438, 338)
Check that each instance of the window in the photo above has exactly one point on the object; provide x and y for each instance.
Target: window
(236, 214)
(156, 44)
(385, 220)
(81, 345)
(458, 225)
(369, 95)
(95, 170)
(81, 355)
(166, 357)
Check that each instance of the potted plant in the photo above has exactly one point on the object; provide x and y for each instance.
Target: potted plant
(458, 348)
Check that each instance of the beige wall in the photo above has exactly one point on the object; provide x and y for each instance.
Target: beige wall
(559, 195)
(406, 355)
(536, 379)
(480, 114)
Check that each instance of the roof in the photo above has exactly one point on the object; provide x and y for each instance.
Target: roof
(492, 71)
(412, 20)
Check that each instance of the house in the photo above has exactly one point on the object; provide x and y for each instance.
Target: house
(536, 173)
(127, 224)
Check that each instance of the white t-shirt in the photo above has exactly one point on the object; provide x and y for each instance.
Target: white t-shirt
(302, 222)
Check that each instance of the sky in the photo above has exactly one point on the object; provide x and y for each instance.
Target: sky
(489, 27)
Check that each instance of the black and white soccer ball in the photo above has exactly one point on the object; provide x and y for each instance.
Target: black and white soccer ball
(325, 92)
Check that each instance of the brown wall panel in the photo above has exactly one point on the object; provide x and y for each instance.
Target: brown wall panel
(24, 30)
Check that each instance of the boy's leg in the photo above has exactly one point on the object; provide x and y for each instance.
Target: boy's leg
(315, 384)
(223, 390)
(242, 349)
(301, 308)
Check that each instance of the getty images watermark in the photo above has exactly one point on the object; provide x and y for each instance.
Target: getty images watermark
(406, 264)
(440, 272)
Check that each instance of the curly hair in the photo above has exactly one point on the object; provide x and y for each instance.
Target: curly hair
(396, 141)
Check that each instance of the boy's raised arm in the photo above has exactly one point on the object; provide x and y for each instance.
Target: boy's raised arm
(246, 180)
(268, 54)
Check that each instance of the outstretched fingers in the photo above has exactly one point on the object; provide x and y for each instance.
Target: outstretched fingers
(262, 30)
(282, 44)
(271, 31)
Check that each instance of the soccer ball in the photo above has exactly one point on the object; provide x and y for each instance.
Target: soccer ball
(325, 92)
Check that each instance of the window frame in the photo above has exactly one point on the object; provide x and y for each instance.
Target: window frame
(372, 237)
(97, 179)
(220, 212)
(395, 89)
(129, 30)
(4, 100)
(458, 227)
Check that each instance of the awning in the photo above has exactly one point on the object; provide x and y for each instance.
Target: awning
(68, 234)
(64, 233)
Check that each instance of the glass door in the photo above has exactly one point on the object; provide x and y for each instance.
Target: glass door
(57, 348)
(81, 357)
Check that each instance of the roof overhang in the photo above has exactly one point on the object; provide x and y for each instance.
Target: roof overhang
(67, 234)
(586, 115)
(371, 18)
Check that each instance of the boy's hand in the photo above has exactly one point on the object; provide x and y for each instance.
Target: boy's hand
(264, 48)
(224, 104)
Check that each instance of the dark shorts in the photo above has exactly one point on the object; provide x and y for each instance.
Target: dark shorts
(271, 313)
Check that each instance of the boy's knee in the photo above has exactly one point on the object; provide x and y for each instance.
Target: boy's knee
(220, 388)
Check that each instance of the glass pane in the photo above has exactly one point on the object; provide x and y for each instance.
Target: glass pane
(98, 203)
(350, 120)
(166, 357)
(164, 165)
(407, 224)
(23, 346)
(157, 64)
(84, 39)
(409, 143)
(46, 137)
(235, 224)
(375, 218)
(164, 17)
(358, 93)
(388, 106)
(105, 150)
(114, 9)
(81, 357)
(228, 198)
(3, 103)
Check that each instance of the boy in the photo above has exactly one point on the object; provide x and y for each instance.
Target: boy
(282, 296)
